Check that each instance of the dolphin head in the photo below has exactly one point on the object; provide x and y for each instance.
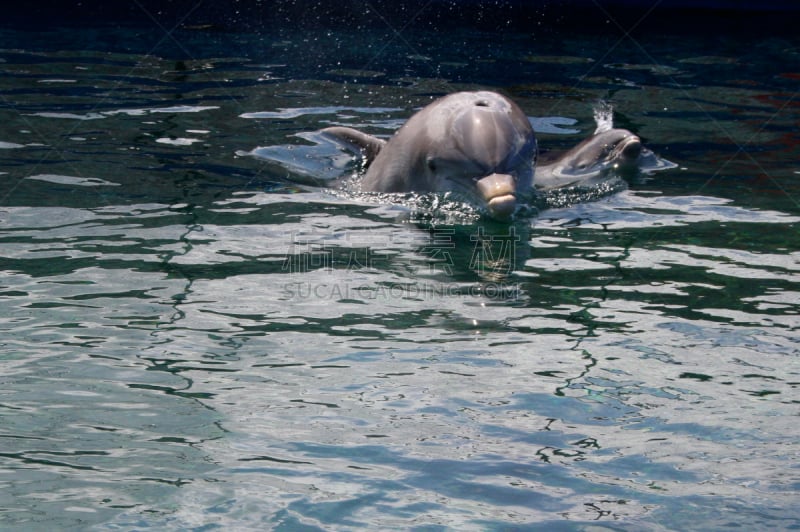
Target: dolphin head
(617, 149)
(489, 153)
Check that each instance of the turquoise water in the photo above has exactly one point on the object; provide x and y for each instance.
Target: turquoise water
(195, 338)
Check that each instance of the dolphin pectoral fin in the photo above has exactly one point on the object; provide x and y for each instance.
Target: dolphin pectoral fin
(356, 141)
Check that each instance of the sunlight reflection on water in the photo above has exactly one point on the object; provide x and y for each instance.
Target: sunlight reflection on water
(191, 338)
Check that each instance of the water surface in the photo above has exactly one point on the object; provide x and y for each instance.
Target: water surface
(193, 337)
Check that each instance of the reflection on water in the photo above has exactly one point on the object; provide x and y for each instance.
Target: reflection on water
(190, 338)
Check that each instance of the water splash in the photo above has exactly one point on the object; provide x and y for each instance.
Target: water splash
(581, 193)
(603, 116)
(413, 207)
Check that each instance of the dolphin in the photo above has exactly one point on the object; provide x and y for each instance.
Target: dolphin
(478, 144)
(613, 149)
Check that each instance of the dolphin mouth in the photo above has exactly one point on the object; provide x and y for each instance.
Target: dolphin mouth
(502, 207)
(499, 192)
(631, 148)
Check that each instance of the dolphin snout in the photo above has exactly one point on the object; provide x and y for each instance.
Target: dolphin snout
(499, 192)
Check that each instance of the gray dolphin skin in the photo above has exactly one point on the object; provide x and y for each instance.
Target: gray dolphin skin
(479, 144)
(613, 149)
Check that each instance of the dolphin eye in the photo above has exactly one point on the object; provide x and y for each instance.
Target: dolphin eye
(432, 165)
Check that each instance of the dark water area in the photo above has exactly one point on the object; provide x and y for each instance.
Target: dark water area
(195, 334)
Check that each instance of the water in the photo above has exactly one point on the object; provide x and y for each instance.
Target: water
(195, 338)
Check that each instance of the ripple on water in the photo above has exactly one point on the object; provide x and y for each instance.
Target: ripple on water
(198, 341)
